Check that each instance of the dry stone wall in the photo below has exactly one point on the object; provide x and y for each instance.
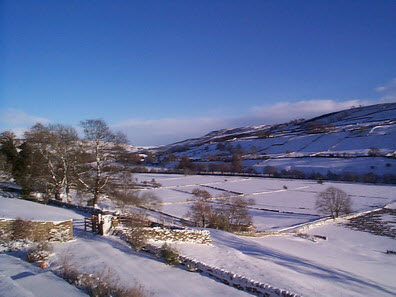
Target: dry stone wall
(12, 229)
(175, 235)
(170, 235)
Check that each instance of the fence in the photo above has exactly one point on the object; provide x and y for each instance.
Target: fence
(91, 223)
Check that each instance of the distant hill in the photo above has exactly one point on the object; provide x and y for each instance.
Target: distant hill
(359, 140)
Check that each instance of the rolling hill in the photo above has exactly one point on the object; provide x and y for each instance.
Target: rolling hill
(359, 140)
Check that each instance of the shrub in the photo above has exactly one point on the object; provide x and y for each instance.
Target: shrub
(137, 238)
(170, 255)
(219, 221)
(40, 252)
(21, 229)
(4, 236)
(370, 178)
(374, 152)
(389, 178)
(68, 267)
(317, 176)
(104, 284)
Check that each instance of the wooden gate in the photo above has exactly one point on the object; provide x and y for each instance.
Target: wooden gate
(92, 223)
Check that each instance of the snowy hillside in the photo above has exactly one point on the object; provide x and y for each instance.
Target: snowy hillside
(360, 140)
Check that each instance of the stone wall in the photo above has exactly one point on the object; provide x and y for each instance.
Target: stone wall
(176, 235)
(13, 229)
(227, 277)
(170, 235)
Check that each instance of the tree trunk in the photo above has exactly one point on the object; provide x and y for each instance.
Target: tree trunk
(57, 196)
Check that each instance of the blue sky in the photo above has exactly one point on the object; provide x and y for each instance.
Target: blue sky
(162, 71)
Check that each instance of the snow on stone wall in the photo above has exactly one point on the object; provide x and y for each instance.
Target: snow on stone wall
(176, 235)
(36, 230)
(158, 234)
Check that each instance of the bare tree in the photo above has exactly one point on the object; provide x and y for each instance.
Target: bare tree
(270, 170)
(236, 163)
(186, 165)
(238, 212)
(201, 210)
(105, 147)
(133, 197)
(150, 200)
(232, 214)
(203, 194)
(125, 193)
(334, 202)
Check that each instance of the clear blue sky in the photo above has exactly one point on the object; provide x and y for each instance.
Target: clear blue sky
(165, 70)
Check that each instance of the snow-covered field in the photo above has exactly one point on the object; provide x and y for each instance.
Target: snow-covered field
(279, 203)
(348, 263)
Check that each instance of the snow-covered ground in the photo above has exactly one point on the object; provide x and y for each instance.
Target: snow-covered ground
(348, 263)
(21, 279)
(92, 254)
(28, 210)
